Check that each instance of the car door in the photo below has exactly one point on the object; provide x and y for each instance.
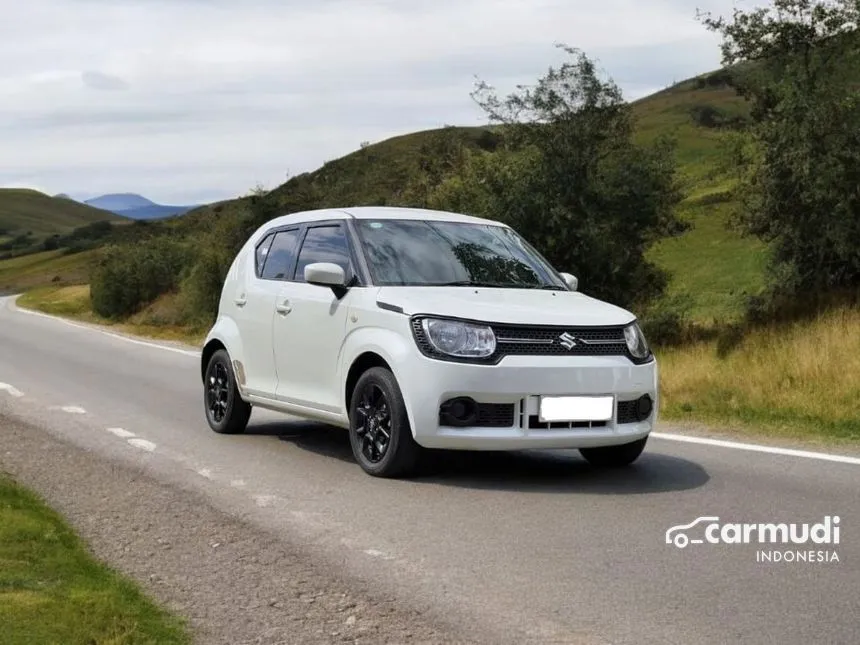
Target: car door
(274, 260)
(310, 323)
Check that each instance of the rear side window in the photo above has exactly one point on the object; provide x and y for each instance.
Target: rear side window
(262, 252)
(281, 258)
(324, 244)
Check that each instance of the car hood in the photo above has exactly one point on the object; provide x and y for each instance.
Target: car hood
(510, 306)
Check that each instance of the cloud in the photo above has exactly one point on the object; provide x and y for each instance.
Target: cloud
(100, 81)
(201, 99)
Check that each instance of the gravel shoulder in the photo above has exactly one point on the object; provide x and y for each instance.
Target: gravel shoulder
(235, 583)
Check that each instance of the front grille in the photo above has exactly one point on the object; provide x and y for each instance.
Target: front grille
(522, 340)
(515, 340)
(536, 424)
(628, 413)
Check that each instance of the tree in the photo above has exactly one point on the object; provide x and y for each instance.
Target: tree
(796, 63)
(569, 177)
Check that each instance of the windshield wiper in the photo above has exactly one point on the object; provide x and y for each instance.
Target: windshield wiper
(497, 285)
(472, 283)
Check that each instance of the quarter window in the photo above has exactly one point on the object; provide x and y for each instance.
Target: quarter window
(262, 252)
(324, 244)
(281, 256)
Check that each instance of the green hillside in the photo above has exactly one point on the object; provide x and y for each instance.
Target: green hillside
(710, 262)
(25, 211)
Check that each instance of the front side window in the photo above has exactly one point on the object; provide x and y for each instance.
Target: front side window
(424, 253)
(279, 261)
(324, 244)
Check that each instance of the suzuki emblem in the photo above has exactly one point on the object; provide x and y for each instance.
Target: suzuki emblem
(567, 340)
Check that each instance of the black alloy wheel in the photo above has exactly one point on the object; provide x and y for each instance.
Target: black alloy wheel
(379, 431)
(373, 423)
(226, 412)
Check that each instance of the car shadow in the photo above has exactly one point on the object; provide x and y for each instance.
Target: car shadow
(531, 471)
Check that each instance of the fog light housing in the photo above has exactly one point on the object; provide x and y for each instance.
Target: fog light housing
(458, 412)
(644, 407)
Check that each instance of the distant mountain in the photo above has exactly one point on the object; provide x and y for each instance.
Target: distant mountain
(136, 206)
(119, 202)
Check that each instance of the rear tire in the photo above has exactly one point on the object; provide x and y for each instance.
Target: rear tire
(614, 456)
(226, 412)
(379, 429)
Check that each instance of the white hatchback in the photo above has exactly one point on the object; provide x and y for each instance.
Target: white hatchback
(415, 328)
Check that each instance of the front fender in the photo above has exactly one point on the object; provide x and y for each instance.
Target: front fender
(393, 347)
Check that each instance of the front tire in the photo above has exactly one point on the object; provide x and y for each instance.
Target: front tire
(226, 412)
(614, 456)
(379, 429)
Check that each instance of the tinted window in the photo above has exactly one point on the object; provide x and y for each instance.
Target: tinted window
(324, 244)
(415, 252)
(281, 256)
(263, 251)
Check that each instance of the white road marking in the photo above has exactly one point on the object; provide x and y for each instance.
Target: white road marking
(205, 472)
(71, 409)
(752, 447)
(176, 350)
(237, 483)
(119, 432)
(377, 554)
(11, 390)
(143, 444)
(264, 500)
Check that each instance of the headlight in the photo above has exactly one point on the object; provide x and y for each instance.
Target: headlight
(460, 339)
(636, 343)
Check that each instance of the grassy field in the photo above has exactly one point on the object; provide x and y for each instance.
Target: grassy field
(23, 210)
(46, 268)
(797, 381)
(53, 591)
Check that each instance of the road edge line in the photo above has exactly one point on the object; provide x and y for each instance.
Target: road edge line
(71, 323)
(754, 447)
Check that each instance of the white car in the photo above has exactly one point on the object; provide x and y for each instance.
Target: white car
(417, 329)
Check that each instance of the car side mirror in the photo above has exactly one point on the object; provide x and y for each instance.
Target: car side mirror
(570, 280)
(327, 274)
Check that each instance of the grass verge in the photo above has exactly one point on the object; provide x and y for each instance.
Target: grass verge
(53, 591)
(156, 321)
(797, 381)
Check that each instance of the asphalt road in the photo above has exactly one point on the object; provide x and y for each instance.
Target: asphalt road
(529, 547)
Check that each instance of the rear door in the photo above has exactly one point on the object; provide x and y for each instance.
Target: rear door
(274, 260)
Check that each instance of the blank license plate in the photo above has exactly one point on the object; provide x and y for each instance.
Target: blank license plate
(576, 408)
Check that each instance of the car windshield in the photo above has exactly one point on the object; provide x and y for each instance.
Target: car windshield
(423, 253)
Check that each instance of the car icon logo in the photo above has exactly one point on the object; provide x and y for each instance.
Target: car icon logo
(677, 536)
(568, 341)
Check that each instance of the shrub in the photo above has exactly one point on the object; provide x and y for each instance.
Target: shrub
(130, 276)
(667, 321)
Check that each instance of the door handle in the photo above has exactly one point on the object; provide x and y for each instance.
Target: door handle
(283, 308)
(240, 302)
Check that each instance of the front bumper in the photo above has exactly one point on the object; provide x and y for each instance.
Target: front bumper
(519, 381)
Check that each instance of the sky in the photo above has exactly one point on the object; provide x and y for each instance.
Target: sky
(192, 101)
